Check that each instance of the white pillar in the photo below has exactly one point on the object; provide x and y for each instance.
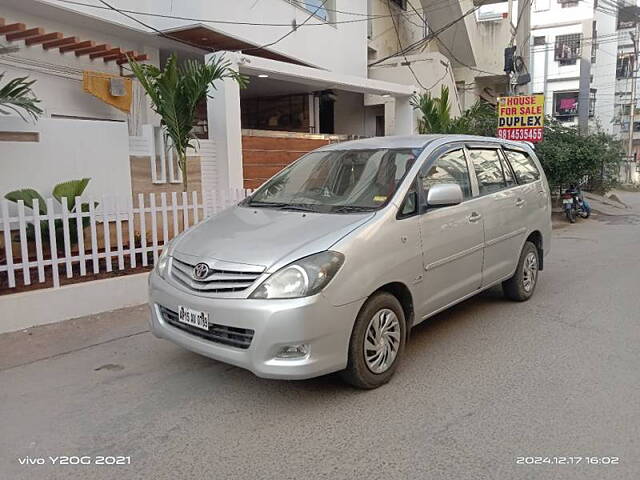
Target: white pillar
(223, 116)
(404, 117)
(389, 116)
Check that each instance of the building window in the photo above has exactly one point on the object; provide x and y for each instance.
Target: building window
(565, 104)
(567, 49)
(537, 41)
(289, 113)
(400, 3)
(541, 5)
(568, 3)
(324, 12)
(627, 16)
(625, 65)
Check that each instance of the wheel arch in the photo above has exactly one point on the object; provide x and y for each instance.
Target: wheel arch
(404, 296)
(536, 238)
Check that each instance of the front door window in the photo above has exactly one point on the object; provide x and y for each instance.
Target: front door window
(449, 168)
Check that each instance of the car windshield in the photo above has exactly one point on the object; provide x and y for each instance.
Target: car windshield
(337, 181)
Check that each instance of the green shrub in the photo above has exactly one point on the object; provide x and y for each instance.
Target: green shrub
(68, 190)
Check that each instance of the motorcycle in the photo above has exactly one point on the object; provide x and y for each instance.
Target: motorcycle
(574, 204)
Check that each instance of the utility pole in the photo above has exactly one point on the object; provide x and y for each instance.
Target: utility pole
(510, 20)
(523, 32)
(516, 57)
(634, 79)
(584, 92)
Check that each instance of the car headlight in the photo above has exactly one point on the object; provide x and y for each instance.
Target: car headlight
(302, 278)
(163, 262)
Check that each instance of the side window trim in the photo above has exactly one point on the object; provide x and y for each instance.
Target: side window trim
(475, 187)
(506, 165)
(416, 212)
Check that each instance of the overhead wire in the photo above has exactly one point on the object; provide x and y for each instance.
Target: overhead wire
(366, 17)
(407, 62)
(426, 25)
(428, 37)
(279, 39)
(159, 32)
(448, 50)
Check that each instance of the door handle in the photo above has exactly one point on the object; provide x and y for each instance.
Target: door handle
(474, 217)
(520, 202)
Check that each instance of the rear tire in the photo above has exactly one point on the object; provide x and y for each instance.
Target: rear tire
(377, 342)
(522, 284)
(571, 215)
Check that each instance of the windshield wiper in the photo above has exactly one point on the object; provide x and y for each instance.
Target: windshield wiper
(299, 206)
(352, 208)
(266, 204)
(285, 206)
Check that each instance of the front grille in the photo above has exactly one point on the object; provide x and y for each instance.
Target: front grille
(218, 280)
(232, 336)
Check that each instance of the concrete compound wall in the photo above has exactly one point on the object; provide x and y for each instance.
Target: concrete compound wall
(67, 149)
(51, 305)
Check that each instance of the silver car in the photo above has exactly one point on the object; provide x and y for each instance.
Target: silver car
(329, 264)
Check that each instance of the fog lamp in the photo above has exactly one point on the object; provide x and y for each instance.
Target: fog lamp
(290, 352)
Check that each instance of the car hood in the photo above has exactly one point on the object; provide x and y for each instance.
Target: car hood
(266, 237)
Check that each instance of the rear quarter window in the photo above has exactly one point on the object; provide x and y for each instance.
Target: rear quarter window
(523, 166)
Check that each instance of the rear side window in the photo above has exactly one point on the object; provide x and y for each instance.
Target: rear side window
(486, 163)
(523, 166)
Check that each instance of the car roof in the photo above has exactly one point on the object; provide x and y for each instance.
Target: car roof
(414, 141)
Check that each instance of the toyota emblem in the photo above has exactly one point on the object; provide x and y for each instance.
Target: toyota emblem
(201, 271)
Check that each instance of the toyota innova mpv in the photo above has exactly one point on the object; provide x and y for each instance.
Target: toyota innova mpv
(329, 264)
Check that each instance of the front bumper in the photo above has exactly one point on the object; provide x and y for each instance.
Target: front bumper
(313, 321)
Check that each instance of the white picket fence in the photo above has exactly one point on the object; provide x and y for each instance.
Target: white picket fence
(129, 234)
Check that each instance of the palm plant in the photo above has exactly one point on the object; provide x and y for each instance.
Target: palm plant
(175, 93)
(435, 114)
(479, 119)
(17, 96)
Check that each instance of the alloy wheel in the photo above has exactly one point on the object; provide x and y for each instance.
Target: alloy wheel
(529, 271)
(382, 341)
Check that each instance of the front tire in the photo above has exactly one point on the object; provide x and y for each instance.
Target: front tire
(521, 285)
(377, 342)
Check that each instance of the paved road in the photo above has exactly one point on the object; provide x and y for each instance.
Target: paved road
(481, 384)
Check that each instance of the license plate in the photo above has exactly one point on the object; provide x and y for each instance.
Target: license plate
(194, 318)
(567, 200)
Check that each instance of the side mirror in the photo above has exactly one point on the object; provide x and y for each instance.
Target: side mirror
(444, 195)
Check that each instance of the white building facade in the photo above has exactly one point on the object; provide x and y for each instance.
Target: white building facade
(319, 71)
(562, 37)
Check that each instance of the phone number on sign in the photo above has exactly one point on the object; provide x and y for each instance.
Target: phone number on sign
(530, 134)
